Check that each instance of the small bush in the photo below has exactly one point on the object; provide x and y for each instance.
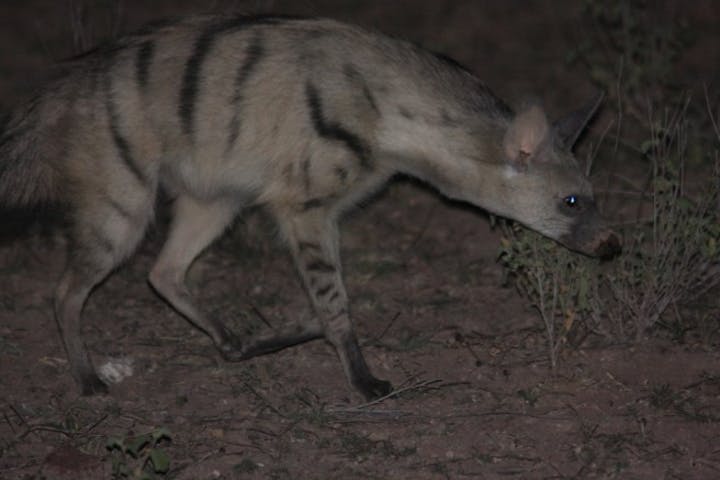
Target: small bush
(556, 281)
(139, 457)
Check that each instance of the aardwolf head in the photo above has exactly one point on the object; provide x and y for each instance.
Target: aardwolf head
(546, 188)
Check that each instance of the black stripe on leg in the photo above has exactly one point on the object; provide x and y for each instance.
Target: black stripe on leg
(100, 241)
(406, 113)
(313, 203)
(342, 174)
(306, 174)
(333, 130)
(324, 290)
(320, 266)
(303, 246)
(119, 208)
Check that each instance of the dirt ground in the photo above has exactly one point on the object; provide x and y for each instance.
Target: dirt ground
(475, 395)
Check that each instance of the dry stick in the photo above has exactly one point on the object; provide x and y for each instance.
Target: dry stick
(136, 418)
(29, 429)
(263, 400)
(394, 393)
(294, 424)
(243, 445)
(702, 381)
(411, 377)
(387, 327)
(19, 415)
(267, 433)
(708, 463)
(472, 352)
(594, 151)
(42, 428)
(92, 427)
(7, 420)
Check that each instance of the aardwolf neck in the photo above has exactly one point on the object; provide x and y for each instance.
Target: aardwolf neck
(446, 128)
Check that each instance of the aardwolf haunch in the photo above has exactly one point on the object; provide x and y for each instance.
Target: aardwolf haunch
(305, 117)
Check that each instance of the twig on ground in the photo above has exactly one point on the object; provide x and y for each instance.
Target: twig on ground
(18, 414)
(264, 400)
(101, 420)
(43, 428)
(7, 420)
(385, 330)
(424, 385)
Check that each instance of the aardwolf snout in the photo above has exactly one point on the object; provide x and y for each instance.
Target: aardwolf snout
(606, 245)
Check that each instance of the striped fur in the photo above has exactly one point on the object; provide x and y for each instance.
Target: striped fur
(305, 117)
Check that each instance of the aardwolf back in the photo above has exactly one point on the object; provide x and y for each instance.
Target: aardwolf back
(302, 116)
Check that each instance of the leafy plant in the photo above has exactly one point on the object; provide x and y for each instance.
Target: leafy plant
(139, 457)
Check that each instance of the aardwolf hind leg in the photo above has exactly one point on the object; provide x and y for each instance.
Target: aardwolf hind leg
(72, 292)
(313, 239)
(194, 226)
(102, 238)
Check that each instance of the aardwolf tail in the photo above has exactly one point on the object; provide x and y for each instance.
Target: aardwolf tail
(26, 177)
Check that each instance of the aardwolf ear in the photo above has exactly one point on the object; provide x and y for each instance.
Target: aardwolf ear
(524, 136)
(568, 129)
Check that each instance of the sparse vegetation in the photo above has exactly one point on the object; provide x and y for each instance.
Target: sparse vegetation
(671, 255)
(556, 281)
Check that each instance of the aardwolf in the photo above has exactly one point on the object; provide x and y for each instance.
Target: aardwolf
(305, 117)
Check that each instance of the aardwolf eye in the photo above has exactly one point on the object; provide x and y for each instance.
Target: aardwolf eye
(571, 201)
(573, 205)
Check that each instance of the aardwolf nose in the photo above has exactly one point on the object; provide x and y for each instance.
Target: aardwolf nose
(608, 245)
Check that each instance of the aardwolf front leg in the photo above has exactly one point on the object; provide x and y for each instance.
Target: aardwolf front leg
(313, 239)
(194, 225)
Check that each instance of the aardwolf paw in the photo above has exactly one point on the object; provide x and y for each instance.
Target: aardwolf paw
(92, 385)
(231, 349)
(372, 388)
